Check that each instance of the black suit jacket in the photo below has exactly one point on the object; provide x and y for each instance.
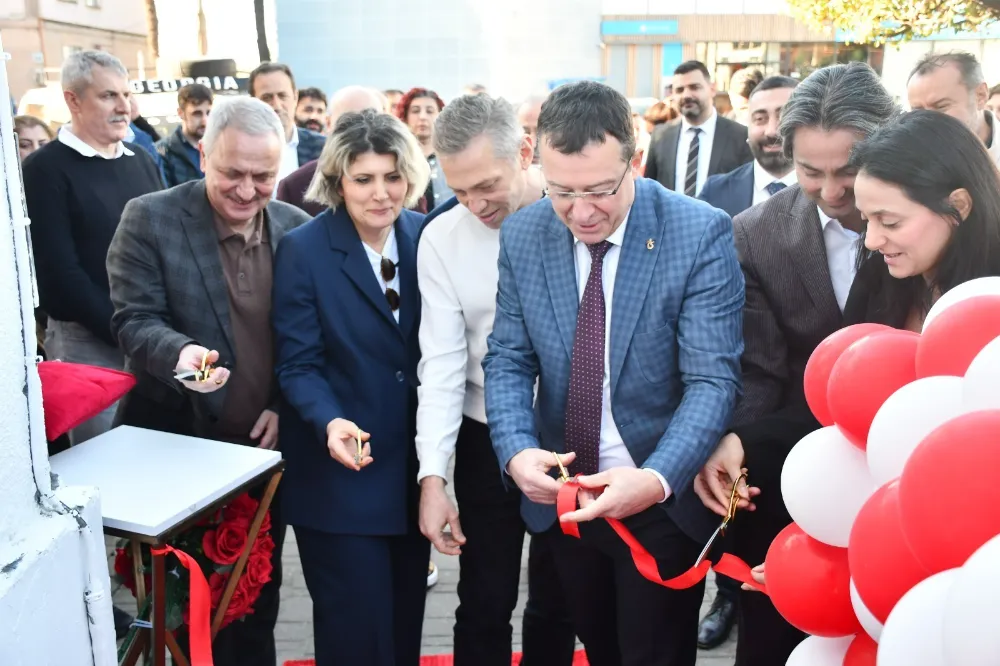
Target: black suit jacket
(729, 150)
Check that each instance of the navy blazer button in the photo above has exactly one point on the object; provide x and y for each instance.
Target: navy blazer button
(400, 376)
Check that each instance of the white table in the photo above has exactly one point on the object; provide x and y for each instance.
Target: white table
(153, 485)
(151, 481)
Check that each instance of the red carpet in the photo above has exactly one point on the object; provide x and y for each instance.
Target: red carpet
(445, 660)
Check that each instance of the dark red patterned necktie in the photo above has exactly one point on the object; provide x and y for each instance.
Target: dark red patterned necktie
(586, 375)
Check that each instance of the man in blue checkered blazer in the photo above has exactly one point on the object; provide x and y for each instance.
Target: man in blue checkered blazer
(662, 299)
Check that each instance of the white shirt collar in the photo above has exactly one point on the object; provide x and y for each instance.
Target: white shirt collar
(389, 250)
(761, 178)
(707, 127)
(67, 137)
(825, 220)
(617, 237)
(294, 143)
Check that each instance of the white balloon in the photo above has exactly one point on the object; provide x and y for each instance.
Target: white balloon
(981, 389)
(816, 651)
(971, 611)
(869, 622)
(914, 633)
(824, 482)
(909, 415)
(985, 286)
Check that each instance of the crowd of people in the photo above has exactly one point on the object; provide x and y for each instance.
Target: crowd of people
(382, 281)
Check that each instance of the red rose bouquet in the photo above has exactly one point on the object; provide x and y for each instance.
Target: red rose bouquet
(216, 544)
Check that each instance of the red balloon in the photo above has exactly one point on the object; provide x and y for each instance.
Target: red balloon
(862, 652)
(953, 339)
(882, 565)
(948, 493)
(865, 375)
(820, 365)
(810, 584)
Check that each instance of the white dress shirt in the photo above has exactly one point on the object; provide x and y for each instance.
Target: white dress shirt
(705, 140)
(289, 158)
(67, 137)
(841, 256)
(457, 273)
(761, 179)
(613, 452)
(391, 252)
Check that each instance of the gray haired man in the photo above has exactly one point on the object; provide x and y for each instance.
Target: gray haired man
(487, 162)
(953, 83)
(190, 271)
(798, 251)
(76, 188)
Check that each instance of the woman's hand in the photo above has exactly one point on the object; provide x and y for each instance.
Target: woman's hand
(342, 441)
(758, 575)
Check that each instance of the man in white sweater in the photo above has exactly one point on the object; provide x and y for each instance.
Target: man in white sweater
(486, 160)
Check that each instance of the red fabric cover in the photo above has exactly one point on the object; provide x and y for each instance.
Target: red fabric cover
(73, 393)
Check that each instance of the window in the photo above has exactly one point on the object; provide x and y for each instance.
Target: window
(70, 50)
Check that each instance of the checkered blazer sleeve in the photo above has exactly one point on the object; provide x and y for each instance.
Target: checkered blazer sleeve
(141, 322)
(710, 341)
(510, 367)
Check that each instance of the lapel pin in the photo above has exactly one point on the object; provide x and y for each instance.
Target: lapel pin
(650, 244)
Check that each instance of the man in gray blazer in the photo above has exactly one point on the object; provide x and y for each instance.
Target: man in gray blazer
(798, 251)
(683, 154)
(190, 275)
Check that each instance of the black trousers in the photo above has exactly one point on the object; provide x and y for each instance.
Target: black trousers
(622, 618)
(490, 568)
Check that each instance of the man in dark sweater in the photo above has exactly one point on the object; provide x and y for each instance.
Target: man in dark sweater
(76, 188)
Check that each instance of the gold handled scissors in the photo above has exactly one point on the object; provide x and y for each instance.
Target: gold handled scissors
(359, 455)
(563, 474)
(201, 375)
(734, 501)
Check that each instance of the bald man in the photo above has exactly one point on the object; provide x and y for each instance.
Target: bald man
(346, 100)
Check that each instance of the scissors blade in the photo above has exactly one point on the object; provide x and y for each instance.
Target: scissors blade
(190, 375)
(708, 546)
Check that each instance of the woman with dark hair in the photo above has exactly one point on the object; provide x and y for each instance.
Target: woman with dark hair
(933, 223)
(419, 108)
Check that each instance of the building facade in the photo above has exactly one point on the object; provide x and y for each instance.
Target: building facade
(39, 34)
(643, 41)
(514, 48)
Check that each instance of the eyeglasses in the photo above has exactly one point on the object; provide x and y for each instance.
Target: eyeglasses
(388, 269)
(593, 197)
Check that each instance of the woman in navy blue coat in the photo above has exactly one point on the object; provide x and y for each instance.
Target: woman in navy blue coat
(346, 314)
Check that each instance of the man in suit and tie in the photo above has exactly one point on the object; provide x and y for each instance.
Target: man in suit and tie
(623, 300)
(798, 251)
(190, 274)
(770, 171)
(683, 155)
(734, 192)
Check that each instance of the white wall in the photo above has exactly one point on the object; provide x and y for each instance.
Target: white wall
(119, 15)
(43, 620)
(13, 9)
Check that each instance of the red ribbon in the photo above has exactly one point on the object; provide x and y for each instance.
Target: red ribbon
(728, 565)
(200, 630)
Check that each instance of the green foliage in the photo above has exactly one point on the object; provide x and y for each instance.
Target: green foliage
(880, 21)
